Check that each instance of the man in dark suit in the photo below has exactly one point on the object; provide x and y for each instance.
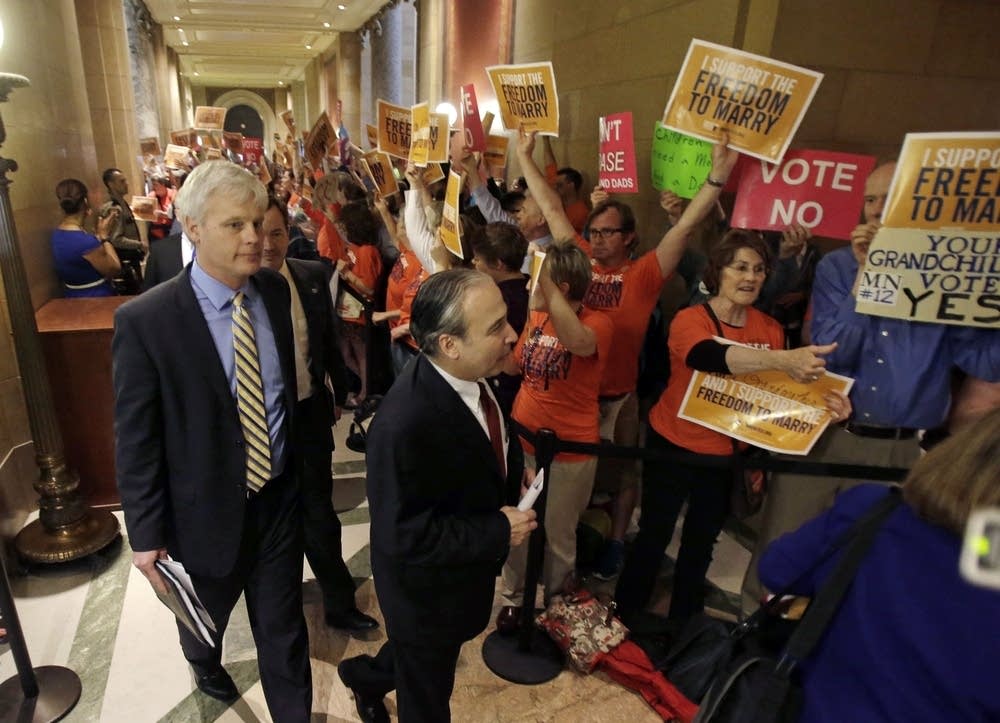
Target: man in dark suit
(438, 466)
(166, 258)
(317, 355)
(204, 470)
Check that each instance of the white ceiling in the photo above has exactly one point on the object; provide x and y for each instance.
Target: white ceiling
(254, 43)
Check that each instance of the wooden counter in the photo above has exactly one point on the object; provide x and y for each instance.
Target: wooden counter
(76, 341)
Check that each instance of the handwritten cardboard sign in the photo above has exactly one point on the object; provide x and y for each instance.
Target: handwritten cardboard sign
(527, 97)
(937, 256)
(758, 100)
(820, 190)
(679, 163)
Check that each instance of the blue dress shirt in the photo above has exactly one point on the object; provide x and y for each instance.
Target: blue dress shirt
(216, 302)
(902, 368)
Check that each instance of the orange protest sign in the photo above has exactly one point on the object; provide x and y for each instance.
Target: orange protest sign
(765, 409)
(187, 137)
(432, 174)
(143, 208)
(759, 101)
(318, 141)
(209, 118)
(289, 120)
(372, 133)
(233, 141)
(394, 124)
(420, 134)
(527, 97)
(936, 257)
(149, 146)
(176, 156)
(378, 166)
(450, 228)
(495, 157)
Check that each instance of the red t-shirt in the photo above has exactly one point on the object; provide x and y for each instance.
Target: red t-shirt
(403, 272)
(690, 326)
(627, 294)
(365, 262)
(559, 389)
(406, 305)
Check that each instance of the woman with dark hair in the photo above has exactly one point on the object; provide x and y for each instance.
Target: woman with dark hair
(360, 268)
(498, 251)
(735, 274)
(84, 263)
(911, 640)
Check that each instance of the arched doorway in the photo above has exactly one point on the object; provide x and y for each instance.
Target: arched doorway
(244, 119)
(233, 99)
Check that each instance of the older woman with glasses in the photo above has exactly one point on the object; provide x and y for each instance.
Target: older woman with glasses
(736, 271)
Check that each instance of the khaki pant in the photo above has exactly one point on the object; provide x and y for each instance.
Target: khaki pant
(619, 422)
(568, 485)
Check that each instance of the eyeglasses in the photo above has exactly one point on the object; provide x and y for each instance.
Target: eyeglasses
(600, 233)
(747, 269)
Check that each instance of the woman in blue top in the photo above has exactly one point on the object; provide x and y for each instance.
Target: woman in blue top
(84, 263)
(912, 639)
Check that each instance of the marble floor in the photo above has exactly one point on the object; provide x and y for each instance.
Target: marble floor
(100, 618)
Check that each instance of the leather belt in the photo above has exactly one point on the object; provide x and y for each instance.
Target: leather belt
(880, 432)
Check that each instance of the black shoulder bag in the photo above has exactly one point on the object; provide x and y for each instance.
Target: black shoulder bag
(746, 680)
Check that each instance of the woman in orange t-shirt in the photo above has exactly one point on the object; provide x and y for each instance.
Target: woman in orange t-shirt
(359, 267)
(561, 356)
(735, 274)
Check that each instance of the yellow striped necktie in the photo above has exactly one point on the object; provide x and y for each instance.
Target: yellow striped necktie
(250, 398)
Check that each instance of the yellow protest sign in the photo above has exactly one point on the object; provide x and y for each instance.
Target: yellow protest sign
(527, 97)
(495, 157)
(766, 409)
(372, 134)
(176, 156)
(420, 134)
(937, 256)
(437, 150)
(378, 166)
(289, 120)
(150, 146)
(758, 100)
(450, 228)
(394, 129)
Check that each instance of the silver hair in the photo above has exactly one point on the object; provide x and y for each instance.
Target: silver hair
(437, 307)
(218, 178)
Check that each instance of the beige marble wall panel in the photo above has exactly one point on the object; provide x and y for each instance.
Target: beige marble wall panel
(861, 34)
(972, 26)
(883, 107)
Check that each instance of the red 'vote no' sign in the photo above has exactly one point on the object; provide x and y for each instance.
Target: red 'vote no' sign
(821, 190)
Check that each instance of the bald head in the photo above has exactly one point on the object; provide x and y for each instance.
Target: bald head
(876, 190)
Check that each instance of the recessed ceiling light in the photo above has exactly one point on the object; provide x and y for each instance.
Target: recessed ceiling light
(177, 18)
(326, 25)
(309, 47)
(281, 82)
(341, 7)
(185, 43)
(196, 74)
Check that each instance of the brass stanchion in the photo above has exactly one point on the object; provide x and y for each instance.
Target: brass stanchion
(66, 528)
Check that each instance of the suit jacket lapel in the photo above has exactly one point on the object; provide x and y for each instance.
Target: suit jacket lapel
(198, 339)
(456, 417)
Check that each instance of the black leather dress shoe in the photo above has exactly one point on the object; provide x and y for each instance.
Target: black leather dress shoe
(217, 684)
(353, 621)
(371, 708)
